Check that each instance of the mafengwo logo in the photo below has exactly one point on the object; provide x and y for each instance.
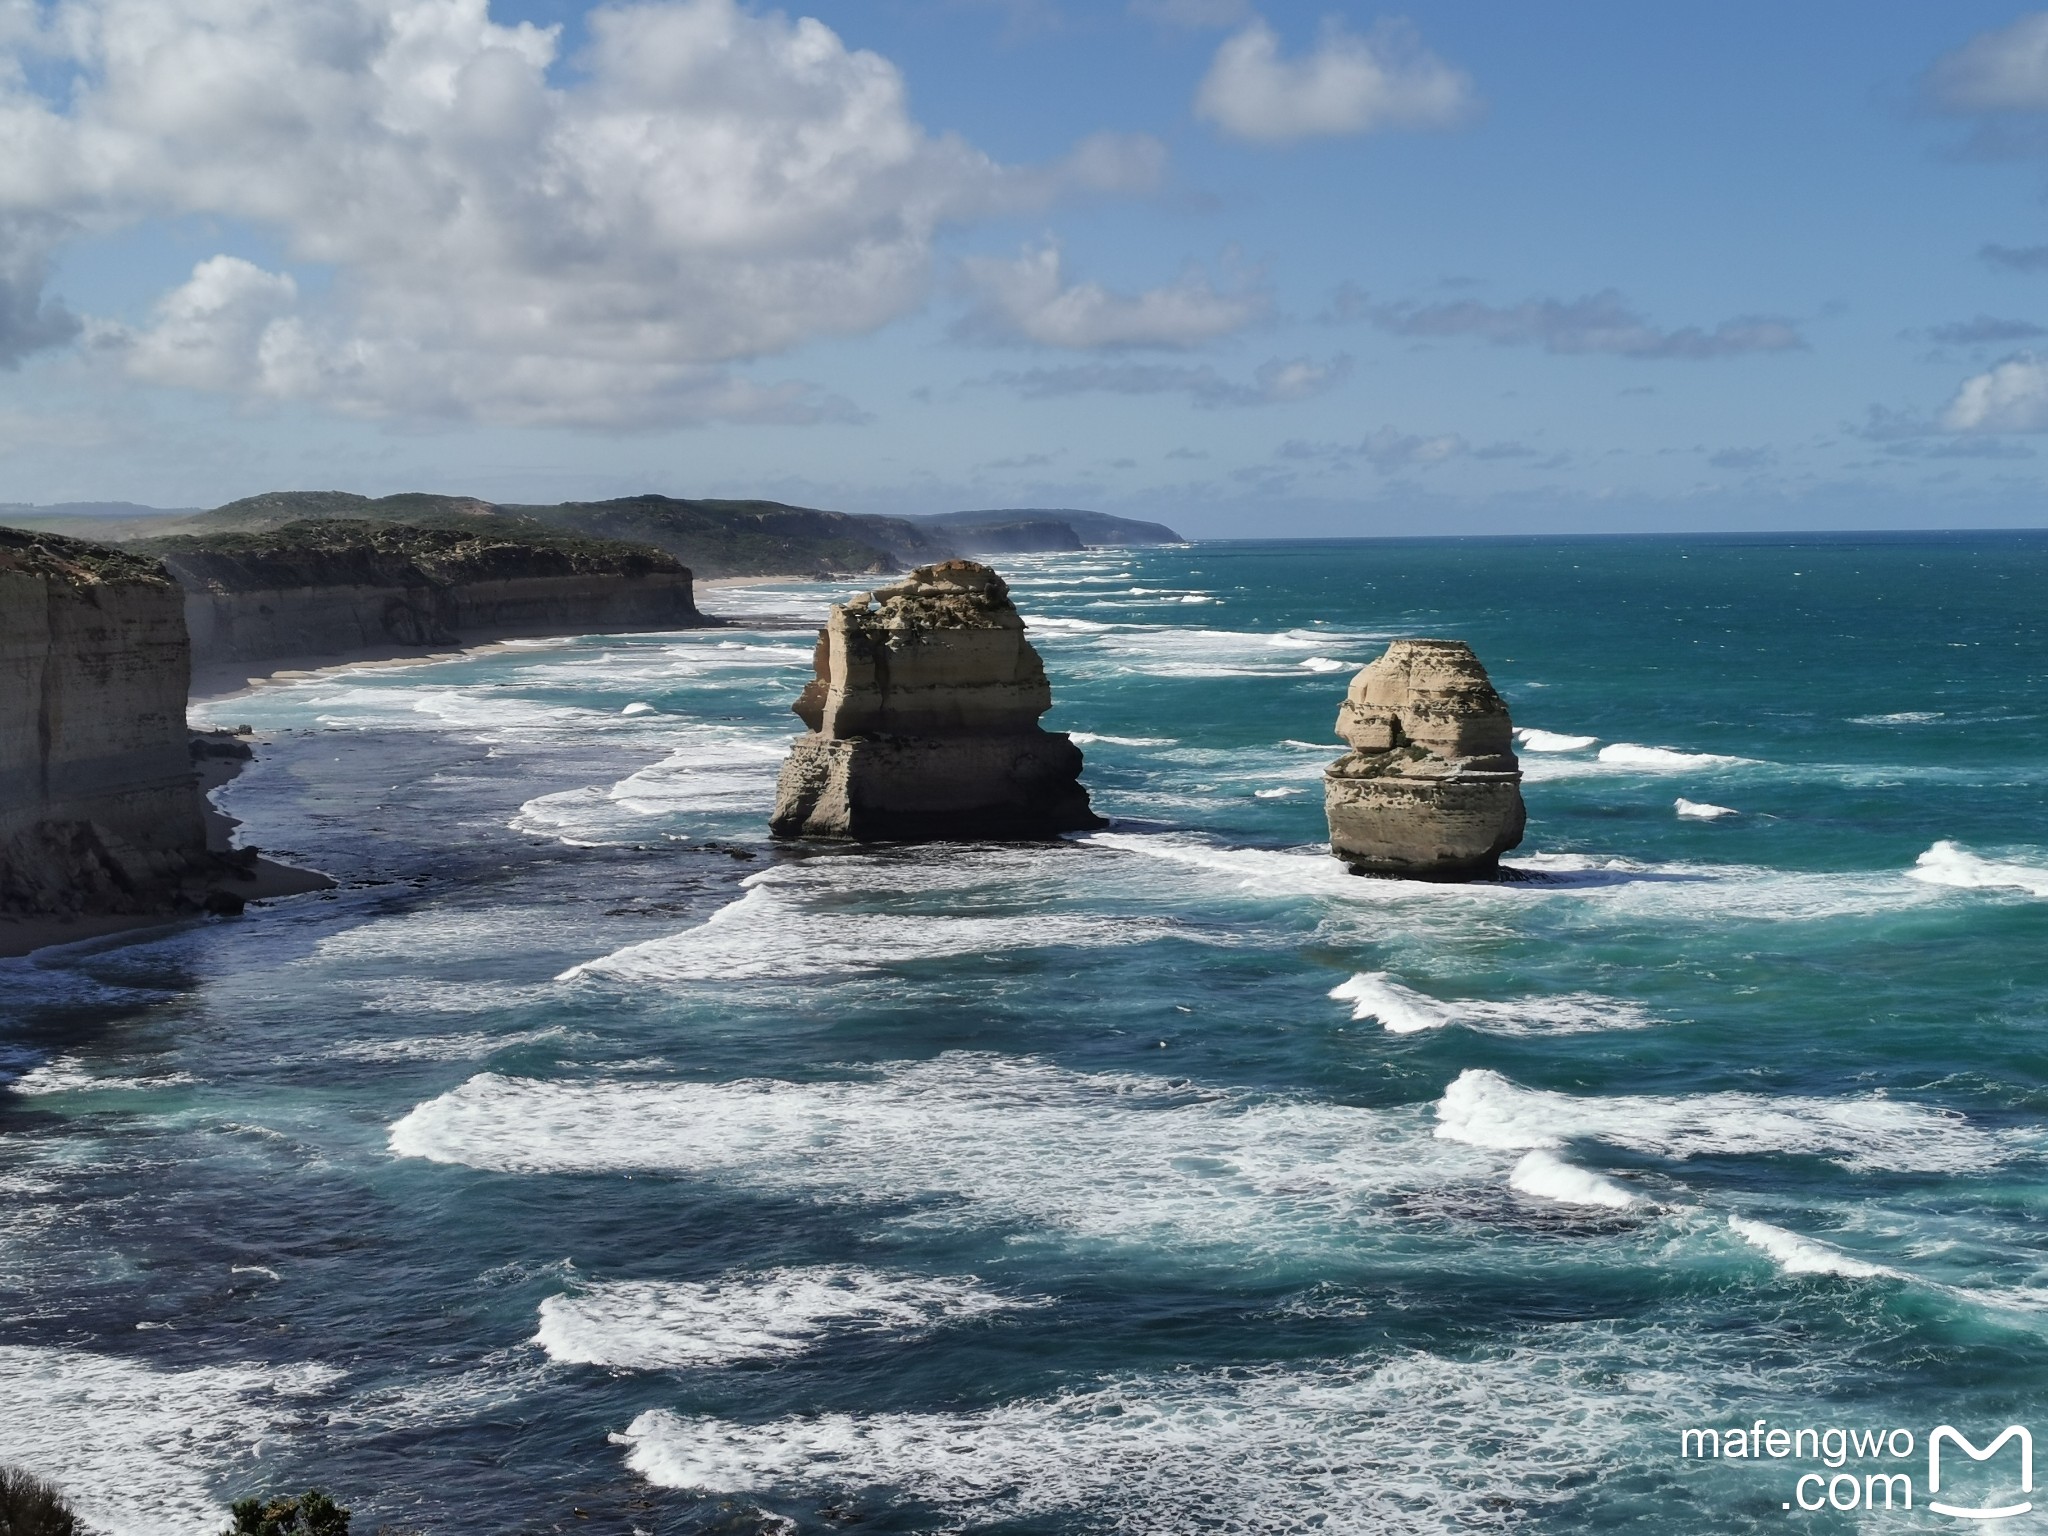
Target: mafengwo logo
(2002, 1489)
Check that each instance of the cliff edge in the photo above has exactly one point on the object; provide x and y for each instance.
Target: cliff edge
(923, 721)
(99, 810)
(1431, 788)
(331, 589)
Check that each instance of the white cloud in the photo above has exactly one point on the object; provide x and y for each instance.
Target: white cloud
(2012, 397)
(230, 318)
(1029, 299)
(1348, 84)
(2001, 71)
(1278, 381)
(708, 186)
(1599, 322)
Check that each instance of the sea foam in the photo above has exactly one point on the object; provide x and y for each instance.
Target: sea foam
(972, 1140)
(1484, 1109)
(769, 934)
(1699, 810)
(1552, 741)
(1948, 864)
(1404, 1011)
(651, 1325)
(1413, 1444)
(1797, 1255)
(139, 1450)
(1546, 1176)
(1627, 755)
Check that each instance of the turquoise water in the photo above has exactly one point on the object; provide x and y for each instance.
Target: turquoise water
(586, 1153)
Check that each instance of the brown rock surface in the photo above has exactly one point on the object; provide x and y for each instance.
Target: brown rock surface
(1431, 788)
(98, 807)
(923, 721)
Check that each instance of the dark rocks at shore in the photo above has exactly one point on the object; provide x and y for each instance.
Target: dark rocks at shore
(923, 721)
(1431, 789)
(335, 589)
(102, 814)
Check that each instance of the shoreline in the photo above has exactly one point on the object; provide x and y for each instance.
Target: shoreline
(223, 681)
(265, 880)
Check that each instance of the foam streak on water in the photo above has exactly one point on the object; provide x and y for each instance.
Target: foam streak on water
(649, 1325)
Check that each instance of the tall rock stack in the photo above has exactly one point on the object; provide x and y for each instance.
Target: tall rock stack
(99, 810)
(923, 721)
(1431, 788)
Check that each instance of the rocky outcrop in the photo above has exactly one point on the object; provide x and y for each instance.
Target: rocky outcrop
(99, 810)
(1431, 788)
(923, 721)
(333, 589)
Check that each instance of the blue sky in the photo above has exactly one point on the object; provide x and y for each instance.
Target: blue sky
(1254, 269)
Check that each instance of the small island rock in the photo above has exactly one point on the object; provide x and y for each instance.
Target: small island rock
(923, 721)
(1431, 789)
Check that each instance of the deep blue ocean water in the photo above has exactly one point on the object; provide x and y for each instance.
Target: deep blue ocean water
(586, 1162)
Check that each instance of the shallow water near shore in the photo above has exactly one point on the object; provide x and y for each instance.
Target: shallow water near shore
(587, 1162)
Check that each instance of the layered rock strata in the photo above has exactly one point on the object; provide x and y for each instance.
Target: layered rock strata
(1431, 788)
(99, 810)
(334, 589)
(923, 721)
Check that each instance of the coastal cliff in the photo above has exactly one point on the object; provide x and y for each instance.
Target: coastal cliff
(99, 809)
(923, 719)
(333, 589)
(1431, 788)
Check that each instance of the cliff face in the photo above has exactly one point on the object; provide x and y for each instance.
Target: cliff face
(99, 811)
(923, 721)
(1431, 788)
(331, 589)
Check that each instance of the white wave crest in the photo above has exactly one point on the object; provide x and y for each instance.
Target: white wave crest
(1797, 1255)
(769, 935)
(1325, 664)
(1623, 754)
(1903, 717)
(69, 1074)
(1404, 1011)
(1257, 1451)
(1947, 863)
(1552, 741)
(138, 1450)
(973, 1140)
(1547, 1176)
(1484, 1109)
(1699, 810)
(1088, 738)
(710, 775)
(649, 1325)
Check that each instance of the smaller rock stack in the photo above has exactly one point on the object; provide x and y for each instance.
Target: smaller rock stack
(923, 721)
(1431, 789)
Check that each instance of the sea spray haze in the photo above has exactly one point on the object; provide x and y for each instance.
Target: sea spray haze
(586, 1151)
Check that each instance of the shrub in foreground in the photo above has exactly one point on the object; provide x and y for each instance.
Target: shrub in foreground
(31, 1507)
(310, 1514)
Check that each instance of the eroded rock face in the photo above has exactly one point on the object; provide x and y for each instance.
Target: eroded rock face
(923, 721)
(99, 811)
(321, 590)
(1431, 788)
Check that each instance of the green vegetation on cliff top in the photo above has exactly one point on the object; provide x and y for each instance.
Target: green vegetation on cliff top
(337, 551)
(75, 560)
(712, 537)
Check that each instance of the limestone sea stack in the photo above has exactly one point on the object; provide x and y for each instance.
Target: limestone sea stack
(923, 721)
(1431, 789)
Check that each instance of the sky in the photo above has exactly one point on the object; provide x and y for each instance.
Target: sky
(1255, 269)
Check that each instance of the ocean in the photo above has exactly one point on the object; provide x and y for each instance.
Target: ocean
(587, 1162)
